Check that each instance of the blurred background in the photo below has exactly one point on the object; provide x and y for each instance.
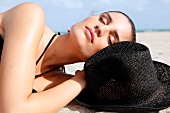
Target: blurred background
(148, 15)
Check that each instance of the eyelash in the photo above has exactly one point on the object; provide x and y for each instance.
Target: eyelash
(101, 20)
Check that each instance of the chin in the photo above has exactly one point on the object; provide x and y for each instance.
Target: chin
(78, 33)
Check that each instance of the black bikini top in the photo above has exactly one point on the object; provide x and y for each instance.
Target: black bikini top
(1, 45)
(63, 68)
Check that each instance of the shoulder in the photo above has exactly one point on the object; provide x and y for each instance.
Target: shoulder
(23, 10)
(28, 6)
(24, 15)
(23, 7)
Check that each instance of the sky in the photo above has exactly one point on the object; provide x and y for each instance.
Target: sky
(62, 14)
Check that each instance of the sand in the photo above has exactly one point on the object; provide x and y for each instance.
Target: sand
(157, 42)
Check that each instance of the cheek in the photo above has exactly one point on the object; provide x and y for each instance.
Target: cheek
(95, 48)
(90, 21)
(101, 44)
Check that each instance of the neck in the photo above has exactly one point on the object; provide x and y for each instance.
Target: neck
(59, 53)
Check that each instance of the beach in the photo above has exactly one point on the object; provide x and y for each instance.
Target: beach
(159, 44)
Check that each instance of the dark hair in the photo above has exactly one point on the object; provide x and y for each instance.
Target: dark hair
(133, 29)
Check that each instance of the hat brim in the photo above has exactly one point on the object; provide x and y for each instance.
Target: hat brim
(88, 100)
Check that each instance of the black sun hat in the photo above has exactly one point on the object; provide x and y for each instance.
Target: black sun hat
(123, 78)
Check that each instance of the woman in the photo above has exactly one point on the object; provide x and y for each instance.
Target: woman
(27, 87)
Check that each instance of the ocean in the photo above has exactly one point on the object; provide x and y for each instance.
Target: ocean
(138, 30)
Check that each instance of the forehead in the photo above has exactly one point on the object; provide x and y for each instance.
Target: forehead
(121, 25)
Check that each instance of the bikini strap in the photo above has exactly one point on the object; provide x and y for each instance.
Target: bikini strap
(46, 48)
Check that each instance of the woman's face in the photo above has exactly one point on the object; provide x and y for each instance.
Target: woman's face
(97, 32)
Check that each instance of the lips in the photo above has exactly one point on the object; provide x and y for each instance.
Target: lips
(90, 34)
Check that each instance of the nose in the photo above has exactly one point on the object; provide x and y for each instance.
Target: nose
(100, 30)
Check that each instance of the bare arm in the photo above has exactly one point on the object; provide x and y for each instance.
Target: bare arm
(24, 27)
(52, 100)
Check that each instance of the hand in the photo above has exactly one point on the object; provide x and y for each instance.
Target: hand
(167, 110)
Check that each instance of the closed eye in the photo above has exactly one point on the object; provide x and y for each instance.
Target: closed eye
(101, 20)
